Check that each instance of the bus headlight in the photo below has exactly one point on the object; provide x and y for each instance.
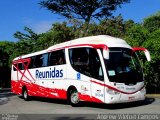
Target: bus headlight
(112, 92)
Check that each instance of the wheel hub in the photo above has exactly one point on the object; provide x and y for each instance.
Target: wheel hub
(74, 98)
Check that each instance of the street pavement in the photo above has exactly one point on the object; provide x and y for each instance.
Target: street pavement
(11, 104)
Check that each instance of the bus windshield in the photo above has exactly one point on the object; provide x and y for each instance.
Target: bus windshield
(123, 66)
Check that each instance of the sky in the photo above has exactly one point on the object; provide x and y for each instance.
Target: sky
(15, 14)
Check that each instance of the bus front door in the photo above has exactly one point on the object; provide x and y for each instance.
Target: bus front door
(97, 79)
(97, 89)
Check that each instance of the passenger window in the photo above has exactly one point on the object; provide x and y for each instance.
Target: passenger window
(20, 66)
(57, 58)
(38, 61)
(31, 64)
(14, 69)
(25, 63)
(86, 61)
(79, 58)
(45, 60)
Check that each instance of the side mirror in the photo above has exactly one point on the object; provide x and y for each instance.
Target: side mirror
(105, 52)
(146, 52)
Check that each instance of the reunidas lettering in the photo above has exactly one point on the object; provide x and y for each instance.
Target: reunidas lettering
(49, 74)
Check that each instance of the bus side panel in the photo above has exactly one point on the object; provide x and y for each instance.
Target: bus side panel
(57, 86)
(57, 89)
(15, 85)
(80, 82)
(35, 87)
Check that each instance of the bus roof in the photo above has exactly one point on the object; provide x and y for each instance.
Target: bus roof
(99, 39)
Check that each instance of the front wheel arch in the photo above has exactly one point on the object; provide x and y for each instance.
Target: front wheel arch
(73, 96)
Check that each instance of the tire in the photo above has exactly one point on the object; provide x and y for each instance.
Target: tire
(73, 98)
(25, 94)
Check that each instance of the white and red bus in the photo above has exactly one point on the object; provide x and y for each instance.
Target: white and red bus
(100, 69)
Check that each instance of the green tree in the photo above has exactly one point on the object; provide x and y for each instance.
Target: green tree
(82, 9)
(152, 22)
(113, 26)
(136, 35)
(27, 41)
(146, 34)
(6, 51)
(152, 69)
(29, 35)
(59, 32)
(128, 24)
(3, 57)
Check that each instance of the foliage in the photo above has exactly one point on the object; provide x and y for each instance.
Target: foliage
(152, 23)
(112, 27)
(6, 51)
(152, 69)
(57, 34)
(147, 34)
(136, 35)
(82, 9)
(27, 41)
(30, 35)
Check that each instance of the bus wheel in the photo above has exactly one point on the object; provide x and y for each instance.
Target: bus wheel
(74, 98)
(25, 94)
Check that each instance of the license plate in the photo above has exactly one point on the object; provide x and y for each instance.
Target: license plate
(131, 98)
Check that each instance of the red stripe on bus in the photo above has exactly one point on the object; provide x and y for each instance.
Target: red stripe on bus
(139, 49)
(37, 90)
(27, 60)
(115, 89)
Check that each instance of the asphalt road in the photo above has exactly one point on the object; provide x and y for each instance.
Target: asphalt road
(12, 105)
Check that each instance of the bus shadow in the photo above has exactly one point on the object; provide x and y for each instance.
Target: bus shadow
(147, 101)
(48, 100)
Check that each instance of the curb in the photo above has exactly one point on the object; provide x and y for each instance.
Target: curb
(5, 90)
(153, 95)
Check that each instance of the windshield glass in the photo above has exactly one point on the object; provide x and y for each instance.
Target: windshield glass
(123, 66)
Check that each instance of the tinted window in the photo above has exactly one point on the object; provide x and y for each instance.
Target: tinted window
(57, 58)
(31, 65)
(14, 67)
(44, 60)
(47, 59)
(38, 61)
(20, 66)
(123, 66)
(86, 61)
